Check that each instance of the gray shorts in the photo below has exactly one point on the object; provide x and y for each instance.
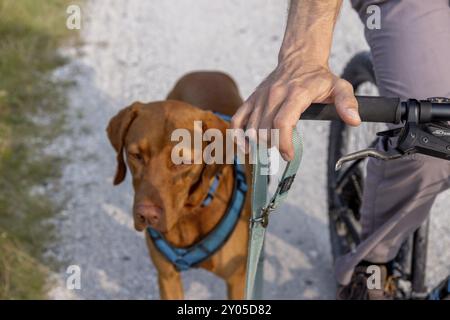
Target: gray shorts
(411, 55)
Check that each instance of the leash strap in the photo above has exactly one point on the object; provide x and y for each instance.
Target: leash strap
(261, 210)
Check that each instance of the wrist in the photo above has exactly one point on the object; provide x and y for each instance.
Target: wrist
(309, 31)
(303, 54)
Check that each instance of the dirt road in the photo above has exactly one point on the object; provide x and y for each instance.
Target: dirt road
(136, 50)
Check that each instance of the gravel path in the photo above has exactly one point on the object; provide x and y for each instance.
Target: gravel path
(136, 50)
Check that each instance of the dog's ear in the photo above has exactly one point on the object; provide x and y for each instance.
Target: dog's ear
(200, 189)
(117, 129)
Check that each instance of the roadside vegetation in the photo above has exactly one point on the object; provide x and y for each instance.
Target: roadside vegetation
(31, 116)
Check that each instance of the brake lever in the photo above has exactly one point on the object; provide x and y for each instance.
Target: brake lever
(432, 139)
(370, 152)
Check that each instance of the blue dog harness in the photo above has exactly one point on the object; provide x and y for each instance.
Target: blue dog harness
(187, 257)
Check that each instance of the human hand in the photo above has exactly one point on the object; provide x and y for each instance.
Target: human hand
(287, 92)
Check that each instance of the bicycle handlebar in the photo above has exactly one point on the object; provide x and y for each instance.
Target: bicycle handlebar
(386, 110)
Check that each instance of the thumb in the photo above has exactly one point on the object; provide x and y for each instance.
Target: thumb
(346, 103)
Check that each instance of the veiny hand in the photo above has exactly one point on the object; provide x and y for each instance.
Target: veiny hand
(287, 92)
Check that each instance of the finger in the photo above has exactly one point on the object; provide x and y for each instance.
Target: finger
(256, 115)
(275, 98)
(287, 117)
(346, 103)
(240, 118)
(239, 122)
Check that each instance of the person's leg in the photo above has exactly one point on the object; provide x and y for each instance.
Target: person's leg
(410, 54)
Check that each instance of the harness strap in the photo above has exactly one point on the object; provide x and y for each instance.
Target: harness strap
(211, 191)
(261, 210)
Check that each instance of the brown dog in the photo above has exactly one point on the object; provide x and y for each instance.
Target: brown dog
(169, 197)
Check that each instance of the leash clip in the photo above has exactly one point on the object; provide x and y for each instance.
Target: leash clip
(264, 219)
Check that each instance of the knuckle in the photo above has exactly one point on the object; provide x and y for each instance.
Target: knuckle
(300, 92)
(345, 85)
(275, 91)
(265, 123)
(252, 122)
(306, 94)
(279, 122)
(237, 117)
(295, 90)
(251, 100)
(235, 121)
(283, 147)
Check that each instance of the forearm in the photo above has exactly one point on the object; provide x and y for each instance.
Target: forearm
(301, 77)
(309, 30)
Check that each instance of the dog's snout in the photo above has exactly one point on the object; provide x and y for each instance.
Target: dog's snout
(149, 213)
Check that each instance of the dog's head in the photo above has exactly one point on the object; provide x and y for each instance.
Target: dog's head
(164, 189)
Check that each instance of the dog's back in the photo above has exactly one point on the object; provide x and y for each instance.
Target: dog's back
(208, 90)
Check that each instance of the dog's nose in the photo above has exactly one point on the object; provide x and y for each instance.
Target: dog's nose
(149, 213)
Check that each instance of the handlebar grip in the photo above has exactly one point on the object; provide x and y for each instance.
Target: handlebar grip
(371, 109)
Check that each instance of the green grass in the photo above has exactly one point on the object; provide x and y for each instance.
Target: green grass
(30, 33)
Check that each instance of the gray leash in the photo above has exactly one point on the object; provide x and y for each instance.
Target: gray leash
(261, 210)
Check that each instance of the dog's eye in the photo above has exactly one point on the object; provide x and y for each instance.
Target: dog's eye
(182, 165)
(136, 156)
